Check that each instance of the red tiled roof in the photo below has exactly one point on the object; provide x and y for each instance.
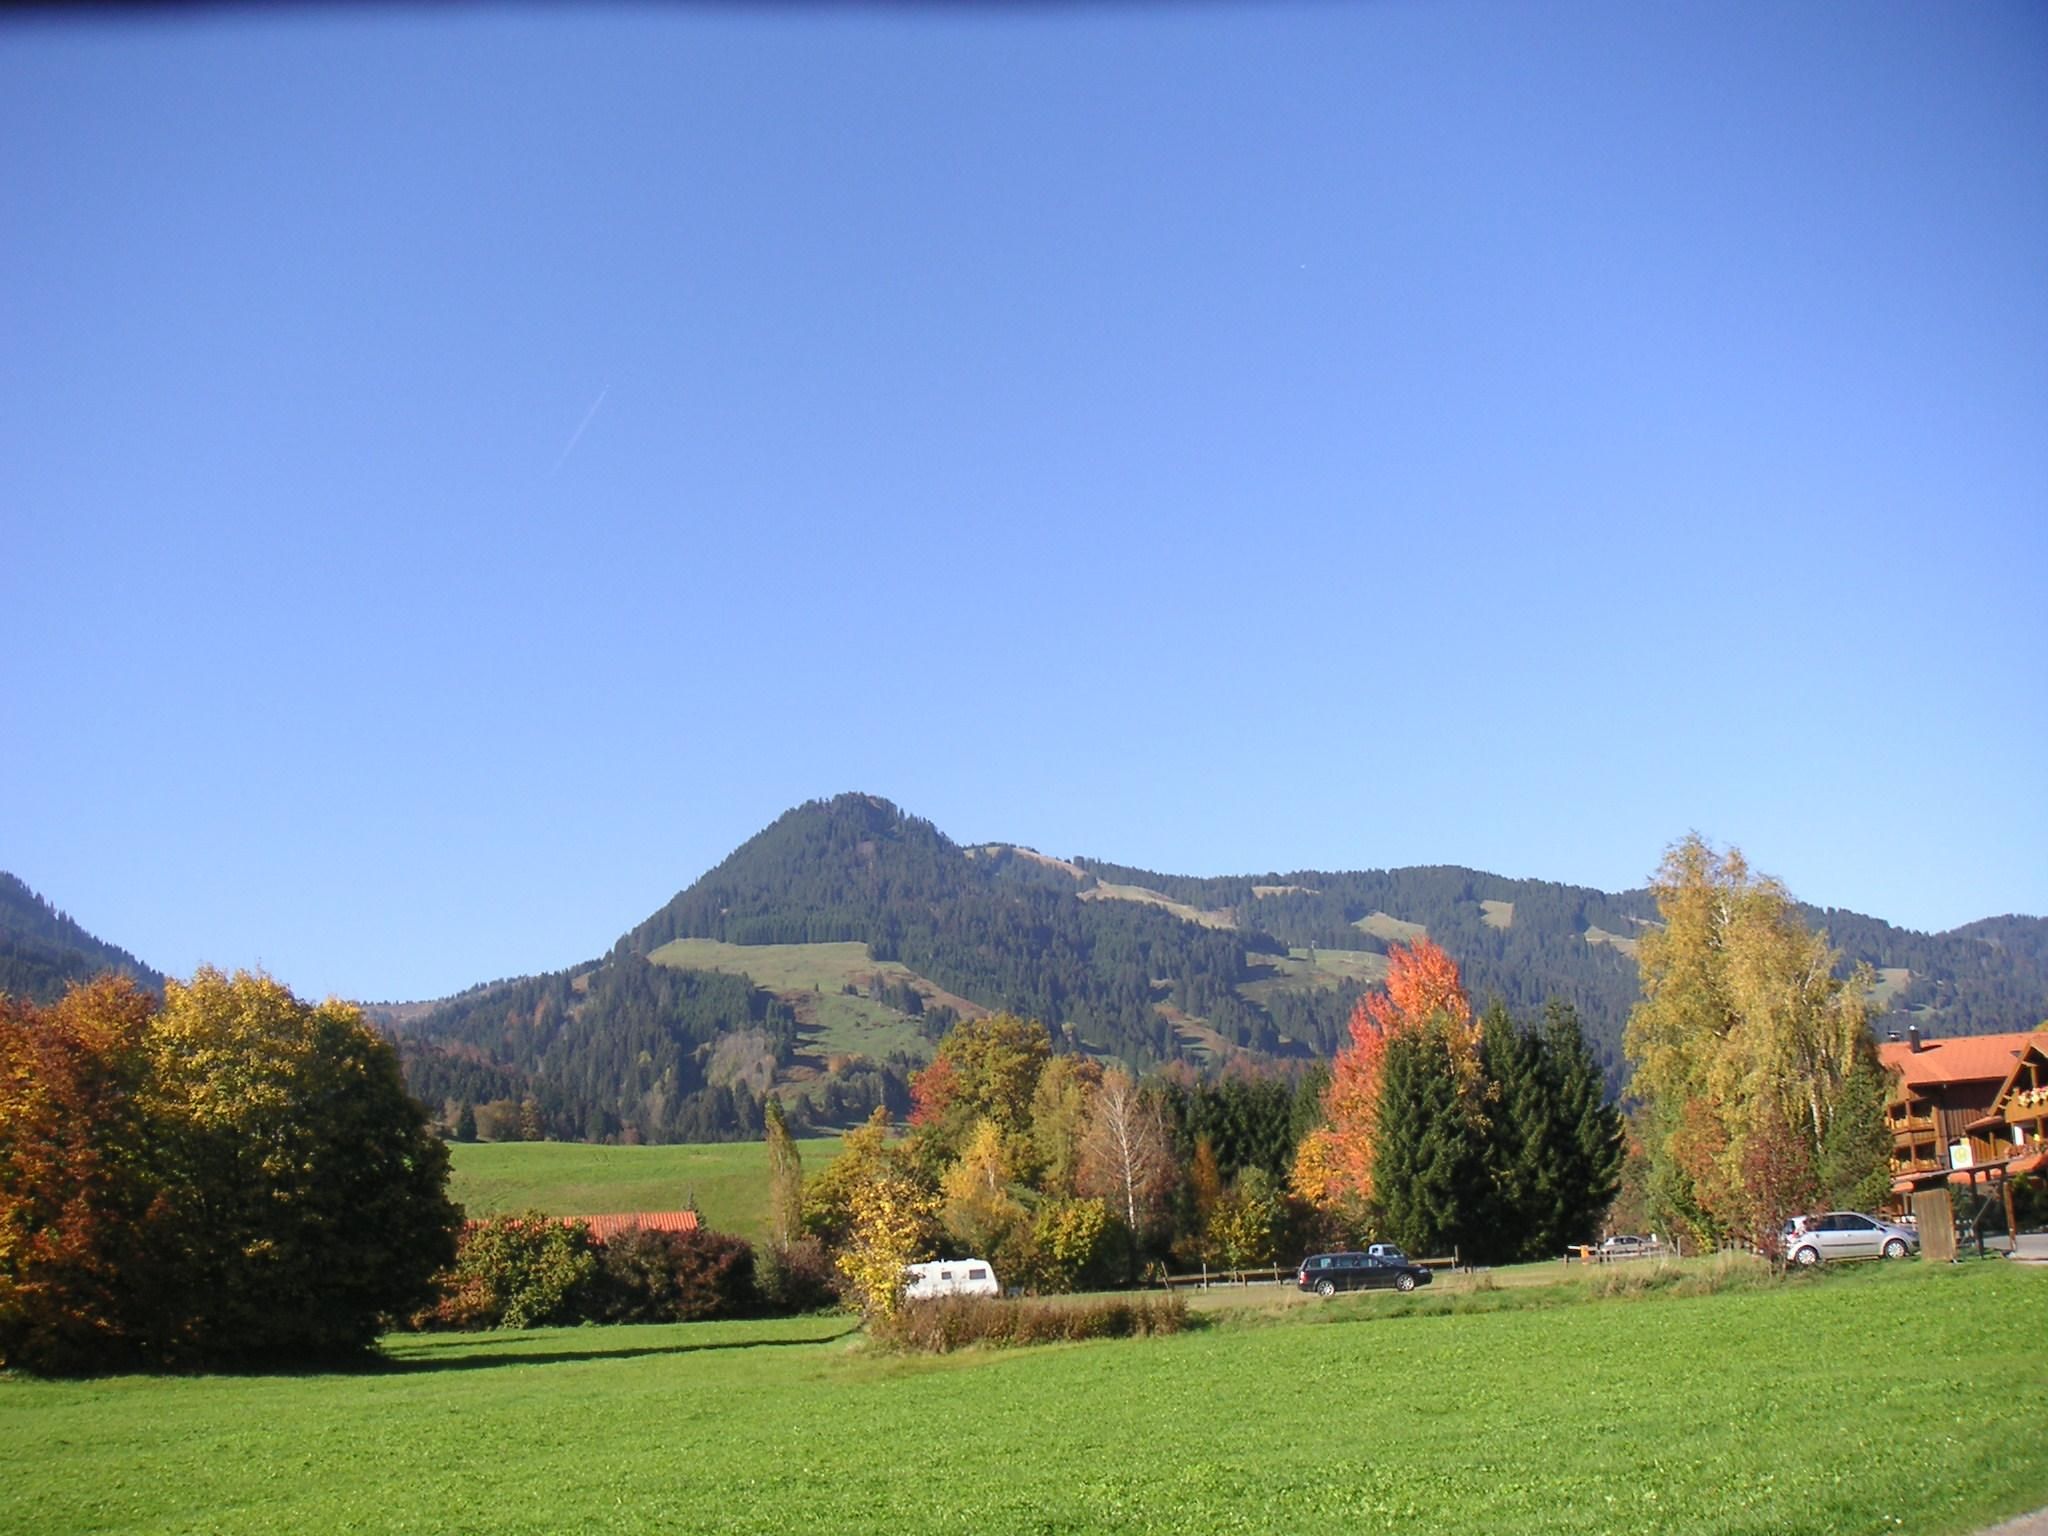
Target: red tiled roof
(605, 1228)
(1958, 1059)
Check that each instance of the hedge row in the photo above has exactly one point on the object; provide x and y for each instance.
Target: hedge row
(532, 1271)
(948, 1323)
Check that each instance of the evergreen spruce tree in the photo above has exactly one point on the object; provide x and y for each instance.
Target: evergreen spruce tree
(1430, 1174)
(1593, 1149)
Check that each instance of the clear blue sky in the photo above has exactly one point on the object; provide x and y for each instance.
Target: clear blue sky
(463, 472)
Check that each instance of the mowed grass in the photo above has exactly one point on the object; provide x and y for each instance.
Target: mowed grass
(1902, 1397)
(729, 1181)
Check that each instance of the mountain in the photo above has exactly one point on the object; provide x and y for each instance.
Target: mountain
(826, 954)
(42, 951)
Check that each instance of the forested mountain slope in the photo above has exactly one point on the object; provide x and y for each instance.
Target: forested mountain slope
(42, 951)
(851, 917)
(825, 955)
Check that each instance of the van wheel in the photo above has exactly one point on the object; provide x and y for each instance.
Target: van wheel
(1895, 1249)
(1405, 1283)
(1806, 1258)
(1326, 1288)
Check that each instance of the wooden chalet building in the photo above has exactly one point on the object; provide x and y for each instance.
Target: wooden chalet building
(1966, 1114)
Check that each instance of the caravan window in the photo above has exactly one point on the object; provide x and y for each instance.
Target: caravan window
(945, 1274)
(977, 1274)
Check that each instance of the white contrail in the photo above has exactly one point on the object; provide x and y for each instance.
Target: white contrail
(581, 427)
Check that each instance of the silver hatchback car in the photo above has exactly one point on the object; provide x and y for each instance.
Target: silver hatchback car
(1846, 1235)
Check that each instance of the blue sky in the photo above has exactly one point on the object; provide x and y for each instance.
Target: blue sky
(463, 472)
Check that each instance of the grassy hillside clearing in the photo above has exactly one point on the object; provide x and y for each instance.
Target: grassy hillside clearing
(1602, 936)
(1497, 914)
(1801, 1407)
(812, 978)
(1302, 969)
(1222, 917)
(729, 1180)
(1382, 925)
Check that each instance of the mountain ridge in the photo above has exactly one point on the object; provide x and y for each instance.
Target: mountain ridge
(822, 958)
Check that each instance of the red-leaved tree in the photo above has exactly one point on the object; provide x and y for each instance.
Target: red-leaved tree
(1333, 1165)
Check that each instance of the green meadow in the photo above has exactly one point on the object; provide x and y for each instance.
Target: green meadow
(1896, 1397)
(729, 1181)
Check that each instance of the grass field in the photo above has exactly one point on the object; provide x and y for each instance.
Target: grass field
(729, 1182)
(1901, 1397)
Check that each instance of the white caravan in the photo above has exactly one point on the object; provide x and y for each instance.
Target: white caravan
(950, 1277)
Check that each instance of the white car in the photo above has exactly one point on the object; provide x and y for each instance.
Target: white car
(1810, 1240)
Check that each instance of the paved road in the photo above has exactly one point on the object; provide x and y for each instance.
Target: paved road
(2035, 1524)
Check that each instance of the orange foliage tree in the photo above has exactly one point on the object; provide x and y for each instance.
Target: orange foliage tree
(81, 1211)
(1333, 1163)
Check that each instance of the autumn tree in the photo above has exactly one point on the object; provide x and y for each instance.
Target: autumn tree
(1059, 1120)
(985, 1068)
(1752, 1055)
(1242, 1225)
(236, 1176)
(85, 1225)
(1126, 1151)
(889, 1230)
(980, 1210)
(1075, 1242)
(828, 1194)
(1334, 1164)
(785, 1177)
(314, 1192)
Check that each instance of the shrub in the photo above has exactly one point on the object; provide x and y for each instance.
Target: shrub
(675, 1277)
(947, 1323)
(797, 1278)
(517, 1272)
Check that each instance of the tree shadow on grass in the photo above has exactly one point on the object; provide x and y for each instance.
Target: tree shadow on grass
(483, 1357)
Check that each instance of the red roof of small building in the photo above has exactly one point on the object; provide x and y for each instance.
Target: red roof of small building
(605, 1228)
(1958, 1059)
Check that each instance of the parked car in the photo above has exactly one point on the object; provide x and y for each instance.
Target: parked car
(1622, 1246)
(1386, 1251)
(1846, 1235)
(1328, 1273)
